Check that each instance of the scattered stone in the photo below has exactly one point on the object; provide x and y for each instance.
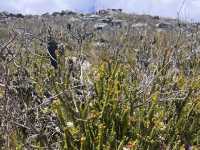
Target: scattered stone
(100, 26)
(139, 25)
(117, 23)
(73, 19)
(156, 17)
(164, 25)
(117, 10)
(94, 17)
(106, 20)
(102, 12)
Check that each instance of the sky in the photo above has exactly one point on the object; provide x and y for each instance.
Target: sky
(190, 9)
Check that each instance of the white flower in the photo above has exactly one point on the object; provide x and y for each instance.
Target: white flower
(70, 124)
(125, 148)
(57, 129)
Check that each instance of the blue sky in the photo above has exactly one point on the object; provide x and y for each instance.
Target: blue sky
(168, 8)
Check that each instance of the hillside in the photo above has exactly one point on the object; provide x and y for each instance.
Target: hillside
(105, 80)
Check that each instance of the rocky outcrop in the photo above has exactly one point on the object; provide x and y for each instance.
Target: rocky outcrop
(63, 13)
(56, 14)
(45, 15)
(164, 25)
(117, 23)
(9, 15)
(100, 26)
(139, 25)
(67, 12)
(105, 19)
(109, 11)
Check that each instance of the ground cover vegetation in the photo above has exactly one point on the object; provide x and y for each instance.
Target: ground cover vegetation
(67, 82)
